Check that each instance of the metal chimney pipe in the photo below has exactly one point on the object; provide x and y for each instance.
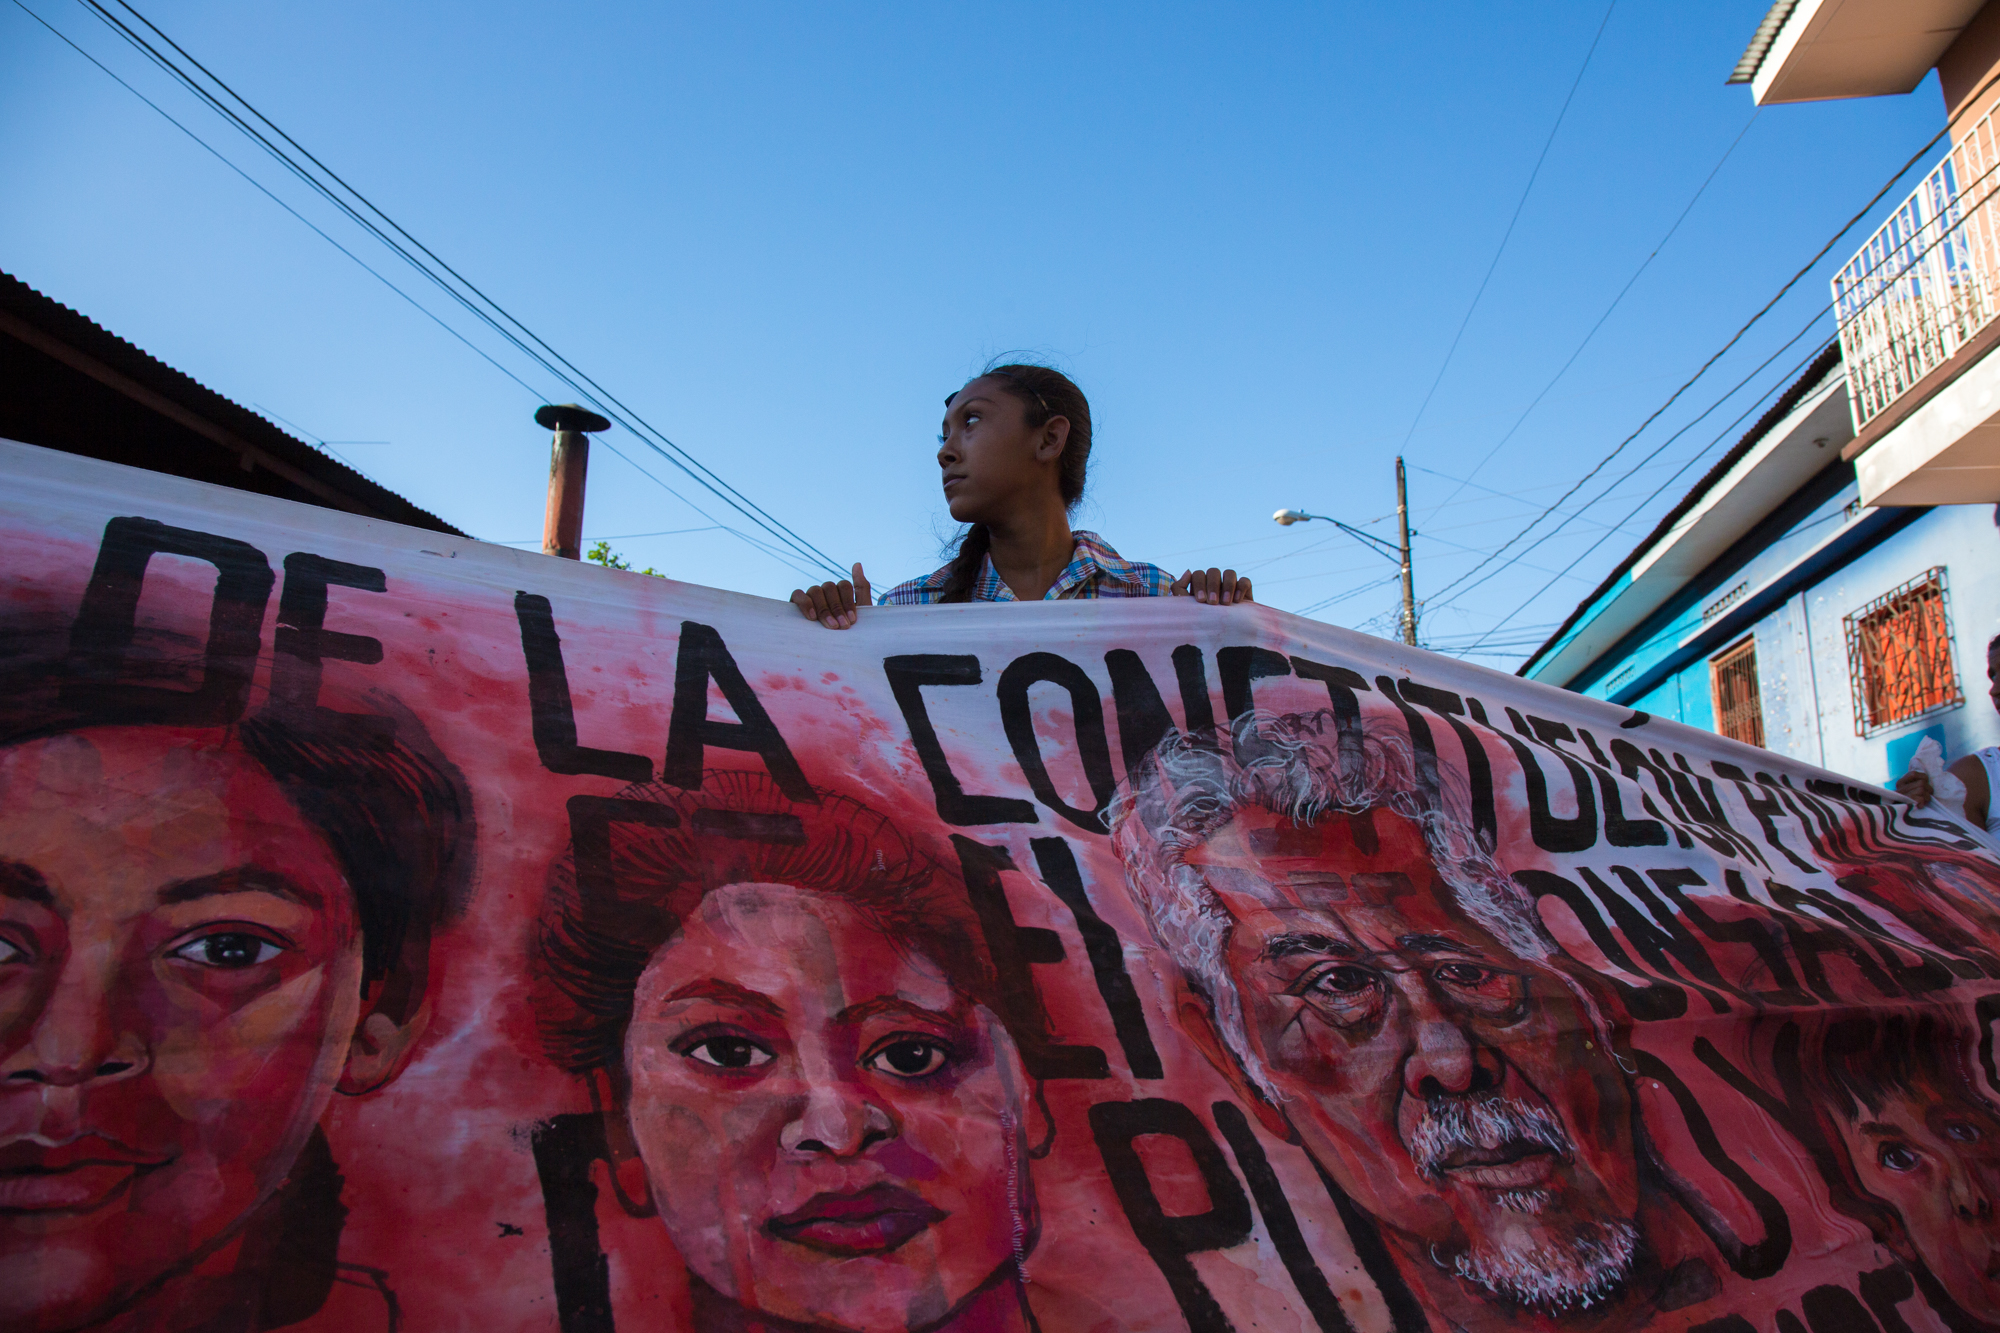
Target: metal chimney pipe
(569, 460)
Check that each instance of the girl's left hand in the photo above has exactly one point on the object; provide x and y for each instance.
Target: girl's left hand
(1214, 587)
(834, 605)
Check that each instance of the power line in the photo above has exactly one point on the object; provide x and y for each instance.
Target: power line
(785, 558)
(1644, 264)
(614, 537)
(1517, 496)
(1744, 415)
(260, 187)
(1678, 472)
(1470, 550)
(371, 218)
(1880, 194)
(1678, 625)
(1508, 234)
(1325, 602)
(1689, 383)
(1879, 294)
(1657, 450)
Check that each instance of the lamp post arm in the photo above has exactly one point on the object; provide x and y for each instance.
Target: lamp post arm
(1377, 545)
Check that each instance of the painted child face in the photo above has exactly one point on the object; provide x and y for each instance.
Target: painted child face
(1455, 1089)
(1937, 1160)
(831, 1134)
(180, 975)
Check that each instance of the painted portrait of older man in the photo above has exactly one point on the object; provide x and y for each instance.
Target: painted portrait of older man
(1380, 993)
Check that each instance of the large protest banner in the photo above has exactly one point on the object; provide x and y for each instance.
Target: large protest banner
(401, 932)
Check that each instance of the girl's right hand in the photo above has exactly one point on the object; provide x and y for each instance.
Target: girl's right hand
(833, 604)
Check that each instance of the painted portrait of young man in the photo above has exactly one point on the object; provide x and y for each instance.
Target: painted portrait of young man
(205, 933)
(1373, 986)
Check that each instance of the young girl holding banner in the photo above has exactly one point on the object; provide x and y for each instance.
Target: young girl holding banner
(1014, 449)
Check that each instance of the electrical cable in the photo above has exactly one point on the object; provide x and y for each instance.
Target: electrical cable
(260, 187)
(1508, 234)
(1675, 476)
(1471, 550)
(1320, 575)
(1657, 450)
(784, 559)
(1644, 264)
(1734, 338)
(614, 537)
(1635, 511)
(1678, 626)
(1323, 603)
(474, 300)
(1491, 494)
(1879, 293)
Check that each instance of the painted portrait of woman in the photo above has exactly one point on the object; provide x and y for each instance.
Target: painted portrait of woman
(792, 1017)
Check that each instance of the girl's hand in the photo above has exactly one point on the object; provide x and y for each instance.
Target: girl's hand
(833, 604)
(1215, 587)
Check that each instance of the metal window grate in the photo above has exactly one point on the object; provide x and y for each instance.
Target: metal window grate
(1899, 655)
(1739, 709)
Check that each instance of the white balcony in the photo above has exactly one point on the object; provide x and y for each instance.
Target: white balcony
(1917, 307)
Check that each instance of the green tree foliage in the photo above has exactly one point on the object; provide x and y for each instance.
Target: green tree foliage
(610, 559)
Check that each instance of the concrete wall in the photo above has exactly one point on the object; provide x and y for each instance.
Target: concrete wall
(1965, 67)
(1787, 683)
(1802, 672)
(1802, 666)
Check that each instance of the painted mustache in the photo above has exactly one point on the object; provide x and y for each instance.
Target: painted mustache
(1485, 1135)
(875, 1220)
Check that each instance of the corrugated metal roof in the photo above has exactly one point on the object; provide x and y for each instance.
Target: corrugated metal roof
(196, 432)
(1761, 41)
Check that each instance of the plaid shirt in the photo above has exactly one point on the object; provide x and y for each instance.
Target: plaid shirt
(1094, 570)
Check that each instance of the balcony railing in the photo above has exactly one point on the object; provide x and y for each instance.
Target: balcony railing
(1927, 282)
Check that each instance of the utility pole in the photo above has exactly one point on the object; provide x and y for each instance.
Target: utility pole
(1400, 553)
(1409, 585)
(569, 460)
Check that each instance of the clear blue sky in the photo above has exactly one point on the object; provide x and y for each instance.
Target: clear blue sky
(784, 233)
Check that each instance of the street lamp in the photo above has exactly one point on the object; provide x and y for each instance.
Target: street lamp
(1400, 554)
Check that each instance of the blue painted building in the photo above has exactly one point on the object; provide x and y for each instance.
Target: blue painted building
(1773, 605)
(1828, 589)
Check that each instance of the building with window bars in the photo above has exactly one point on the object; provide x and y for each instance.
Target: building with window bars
(1828, 587)
(1772, 606)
